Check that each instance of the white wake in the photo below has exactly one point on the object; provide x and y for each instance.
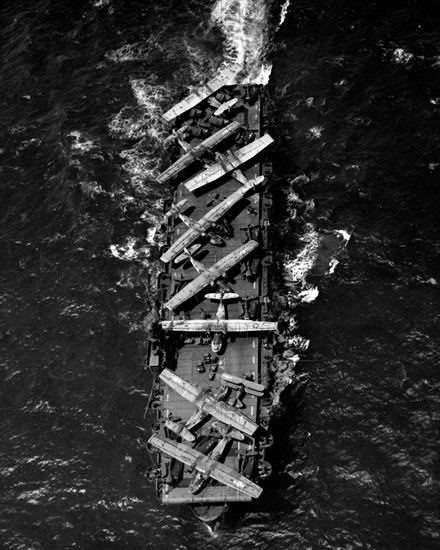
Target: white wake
(245, 26)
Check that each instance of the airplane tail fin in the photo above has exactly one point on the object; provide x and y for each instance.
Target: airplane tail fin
(222, 296)
(239, 176)
(236, 403)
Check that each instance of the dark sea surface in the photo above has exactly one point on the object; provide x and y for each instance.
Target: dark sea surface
(355, 103)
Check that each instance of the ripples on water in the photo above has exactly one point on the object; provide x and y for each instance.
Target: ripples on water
(355, 112)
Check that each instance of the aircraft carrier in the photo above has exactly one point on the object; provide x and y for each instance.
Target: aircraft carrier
(211, 337)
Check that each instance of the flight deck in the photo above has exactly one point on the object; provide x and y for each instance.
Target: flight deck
(227, 381)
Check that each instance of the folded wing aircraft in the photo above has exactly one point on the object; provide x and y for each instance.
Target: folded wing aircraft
(209, 404)
(236, 382)
(200, 228)
(220, 108)
(224, 77)
(197, 151)
(210, 275)
(206, 465)
(228, 162)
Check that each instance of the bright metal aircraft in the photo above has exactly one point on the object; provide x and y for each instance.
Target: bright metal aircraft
(193, 153)
(219, 107)
(206, 465)
(208, 404)
(220, 326)
(227, 433)
(201, 227)
(228, 162)
(236, 382)
(210, 275)
(224, 77)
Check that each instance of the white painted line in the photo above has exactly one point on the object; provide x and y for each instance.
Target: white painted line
(255, 284)
(252, 410)
(253, 359)
(168, 397)
(253, 343)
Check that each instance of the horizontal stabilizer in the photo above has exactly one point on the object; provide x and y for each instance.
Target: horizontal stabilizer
(225, 106)
(184, 256)
(222, 296)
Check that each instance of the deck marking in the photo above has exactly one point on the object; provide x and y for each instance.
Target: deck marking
(252, 410)
(168, 397)
(253, 343)
(253, 359)
(255, 284)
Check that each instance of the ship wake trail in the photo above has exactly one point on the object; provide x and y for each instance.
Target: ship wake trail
(245, 26)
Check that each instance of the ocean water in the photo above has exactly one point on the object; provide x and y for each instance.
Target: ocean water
(355, 99)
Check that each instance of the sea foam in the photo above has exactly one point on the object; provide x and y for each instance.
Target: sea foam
(245, 26)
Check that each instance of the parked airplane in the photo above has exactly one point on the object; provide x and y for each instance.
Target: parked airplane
(236, 382)
(200, 479)
(221, 107)
(228, 162)
(221, 326)
(195, 152)
(224, 77)
(201, 227)
(206, 465)
(207, 403)
(210, 275)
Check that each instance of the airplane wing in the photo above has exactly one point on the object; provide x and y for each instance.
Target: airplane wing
(179, 451)
(192, 325)
(210, 275)
(235, 257)
(228, 415)
(234, 160)
(220, 209)
(223, 78)
(218, 471)
(181, 386)
(208, 219)
(243, 325)
(198, 151)
(228, 476)
(201, 179)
